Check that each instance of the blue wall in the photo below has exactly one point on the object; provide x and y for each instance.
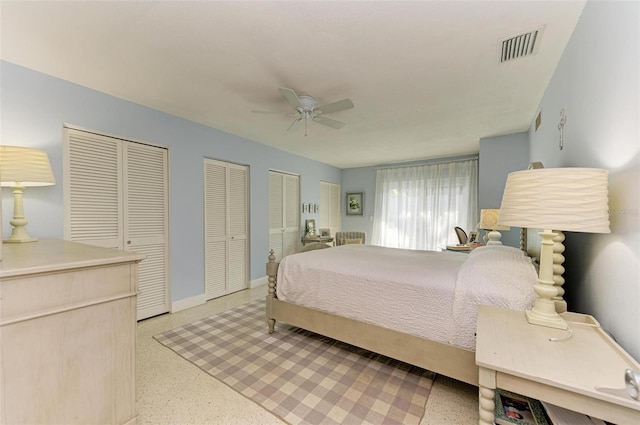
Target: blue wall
(498, 157)
(597, 84)
(34, 108)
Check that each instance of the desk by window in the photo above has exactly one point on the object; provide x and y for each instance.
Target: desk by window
(320, 239)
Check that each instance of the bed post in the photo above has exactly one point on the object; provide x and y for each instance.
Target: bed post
(272, 271)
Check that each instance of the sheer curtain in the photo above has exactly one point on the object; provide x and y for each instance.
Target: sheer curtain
(417, 207)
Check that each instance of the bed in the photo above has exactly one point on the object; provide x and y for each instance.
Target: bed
(382, 299)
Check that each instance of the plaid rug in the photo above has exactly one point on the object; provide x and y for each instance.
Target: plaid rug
(301, 377)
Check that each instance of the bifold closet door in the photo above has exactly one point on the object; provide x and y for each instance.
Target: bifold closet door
(226, 218)
(284, 213)
(116, 196)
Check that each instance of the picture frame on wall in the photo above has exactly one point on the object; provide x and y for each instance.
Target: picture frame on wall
(305, 208)
(316, 208)
(355, 203)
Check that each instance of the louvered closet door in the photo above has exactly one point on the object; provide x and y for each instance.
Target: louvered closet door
(276, 214)
(226, 209)
(284, 213)
(146, 223)
(238, 212)
(291, 214)
(116, 196)
(93, 189)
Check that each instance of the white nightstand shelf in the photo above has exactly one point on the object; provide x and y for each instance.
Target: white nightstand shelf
(584, 373)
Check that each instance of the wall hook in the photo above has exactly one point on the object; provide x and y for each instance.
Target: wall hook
(563, 121)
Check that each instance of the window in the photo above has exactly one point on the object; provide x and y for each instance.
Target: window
(417, 207)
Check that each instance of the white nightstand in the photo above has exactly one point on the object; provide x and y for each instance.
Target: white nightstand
(584, 373)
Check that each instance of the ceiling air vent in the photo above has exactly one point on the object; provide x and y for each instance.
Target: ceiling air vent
(519, 46)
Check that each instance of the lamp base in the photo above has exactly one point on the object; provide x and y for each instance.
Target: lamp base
(549, 321)
(494, 238)
(20, 235)
(20, 240)
(19, 222)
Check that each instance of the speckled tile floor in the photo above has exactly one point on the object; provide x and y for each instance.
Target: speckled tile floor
(172, 391)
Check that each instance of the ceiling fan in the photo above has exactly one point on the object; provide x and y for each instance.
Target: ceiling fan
(307, 108)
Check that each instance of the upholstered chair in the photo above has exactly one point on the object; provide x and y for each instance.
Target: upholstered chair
(345, 238)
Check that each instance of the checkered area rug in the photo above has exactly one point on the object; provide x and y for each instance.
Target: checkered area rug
(301, 377)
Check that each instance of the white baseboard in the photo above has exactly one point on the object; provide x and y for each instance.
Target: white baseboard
(201, 299)
(188, 303)
(258, 282)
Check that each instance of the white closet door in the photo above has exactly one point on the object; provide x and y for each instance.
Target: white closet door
(146, 223)
(226, 216)
(116, 196)
(284, 213)
(291, 214)
(215, 199)
(330, 206)
(276, 214)
(93, 189)
(238, 213)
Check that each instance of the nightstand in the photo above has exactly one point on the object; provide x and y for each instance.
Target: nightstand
(584, 373)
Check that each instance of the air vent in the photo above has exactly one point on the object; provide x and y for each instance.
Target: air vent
(519, 46)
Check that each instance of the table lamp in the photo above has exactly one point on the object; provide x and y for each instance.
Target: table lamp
(561, 199)
(19, 168)
(489, 222)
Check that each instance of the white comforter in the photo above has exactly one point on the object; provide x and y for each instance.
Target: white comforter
(426, 293)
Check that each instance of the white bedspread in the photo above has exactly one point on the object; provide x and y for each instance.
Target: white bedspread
(425, 293)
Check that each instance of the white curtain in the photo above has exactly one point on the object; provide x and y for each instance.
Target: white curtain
(417, 207)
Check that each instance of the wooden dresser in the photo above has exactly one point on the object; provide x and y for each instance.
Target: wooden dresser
(67, 334)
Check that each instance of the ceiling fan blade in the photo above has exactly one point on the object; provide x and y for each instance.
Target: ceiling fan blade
(328, 122)
(295, 125)
(291, 97)
(340, 105)
(286, 114)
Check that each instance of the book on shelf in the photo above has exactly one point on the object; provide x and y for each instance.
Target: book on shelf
(512, 408)
(561, 416)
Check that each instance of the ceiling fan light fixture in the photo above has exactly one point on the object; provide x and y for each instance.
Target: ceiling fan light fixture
(305, 107)
(308, 102)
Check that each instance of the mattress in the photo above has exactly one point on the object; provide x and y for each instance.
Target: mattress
(425, 293)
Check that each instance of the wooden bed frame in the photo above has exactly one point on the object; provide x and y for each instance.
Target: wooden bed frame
(445, 359)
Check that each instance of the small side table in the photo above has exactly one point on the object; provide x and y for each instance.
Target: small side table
(584, 373)
(320, 239)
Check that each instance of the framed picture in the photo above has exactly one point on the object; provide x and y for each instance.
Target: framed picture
(355, 202)
(325, 233)
(316, 208)
(473, 238)
(310, 227)
(512, 408)
(305, 208)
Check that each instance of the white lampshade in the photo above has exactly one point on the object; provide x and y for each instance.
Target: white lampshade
(489, 220)
(19, 168)
(573, 199)
(24, 167)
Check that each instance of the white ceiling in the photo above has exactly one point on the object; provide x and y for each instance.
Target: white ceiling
(423, 75)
